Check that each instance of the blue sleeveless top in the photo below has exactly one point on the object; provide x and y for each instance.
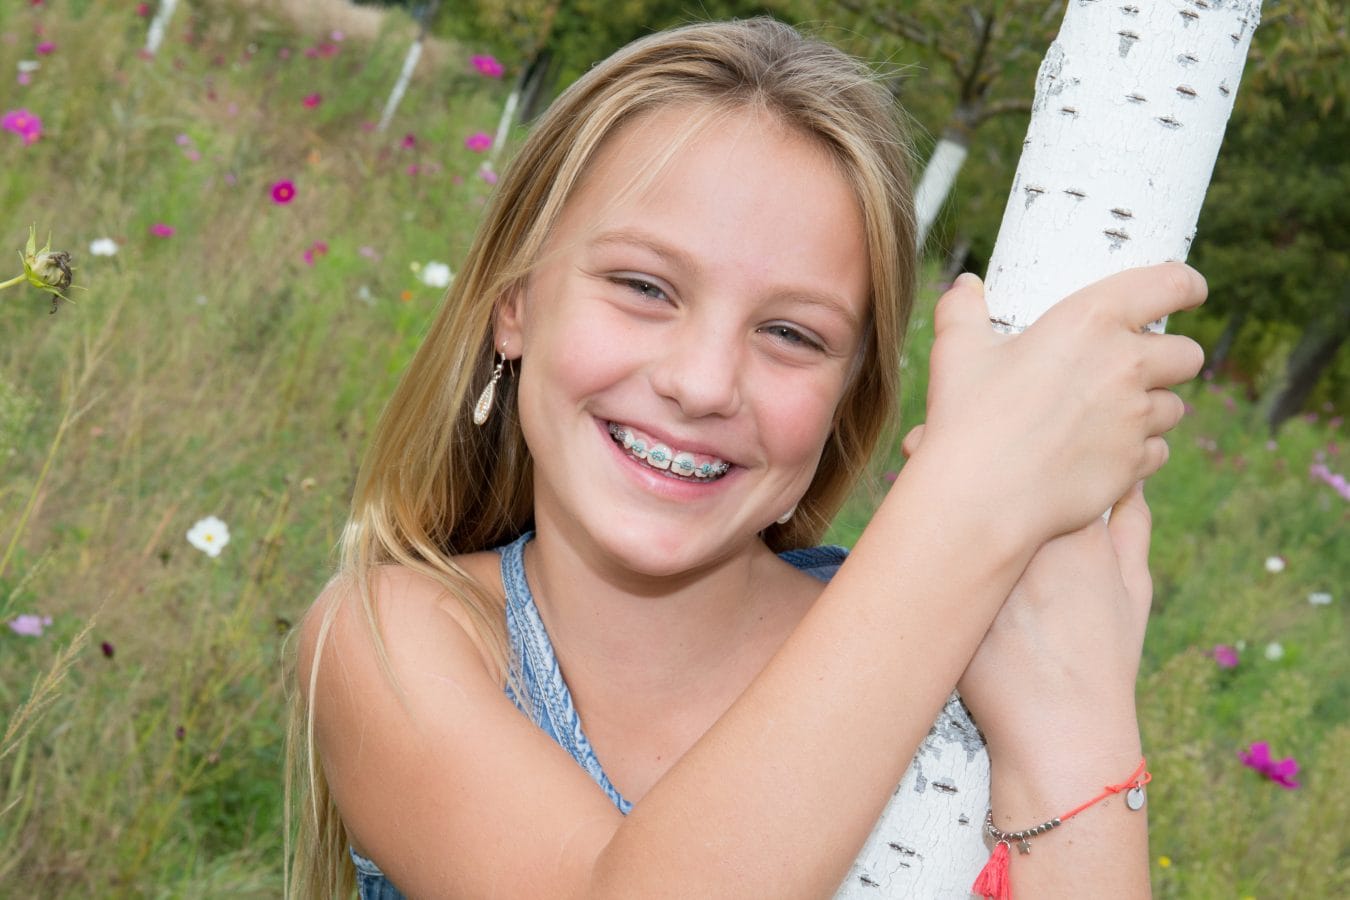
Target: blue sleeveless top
(549, 704)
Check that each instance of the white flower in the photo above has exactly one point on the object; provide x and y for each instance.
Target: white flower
(29, 65)
(1240, 645)
(103, 247)
(1319, 598)
(436, 274)
(1274, 651)
(209, 535)
(1274, 564)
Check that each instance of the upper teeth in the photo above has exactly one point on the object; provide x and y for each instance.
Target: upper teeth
(660, 456)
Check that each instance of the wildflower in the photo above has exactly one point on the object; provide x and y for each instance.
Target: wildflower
(283, 192)
(46, 269)
(889, 476)
(143, 10)
(1164, 862)
(337, 36)
(487, 173)
(30, 624)
(436, 274)
(1319, 598)
(409, 141)
(1274, 651)
(1275, 564)
(159, 229)
(487, 65)
(23, 123)
(1225, 656)
(478, 141)
(46, 47)
(104, 246)
(179, 733)
(107, 649)
(312, 100)
(369, 253)
(316, 249)
(209, 535)
(26, 68)
(1257, 758)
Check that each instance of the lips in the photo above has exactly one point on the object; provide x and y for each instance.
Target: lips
(673, 461)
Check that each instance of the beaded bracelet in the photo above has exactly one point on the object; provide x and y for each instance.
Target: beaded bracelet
(993, 880)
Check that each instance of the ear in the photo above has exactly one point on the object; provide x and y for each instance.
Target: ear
(509, 323)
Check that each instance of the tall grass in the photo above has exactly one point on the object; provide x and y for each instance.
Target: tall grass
(217, 372)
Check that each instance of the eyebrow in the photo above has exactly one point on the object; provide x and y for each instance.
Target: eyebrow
(683, 260)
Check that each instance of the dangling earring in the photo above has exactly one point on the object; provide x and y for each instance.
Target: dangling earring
(787, 516)
(483, 408)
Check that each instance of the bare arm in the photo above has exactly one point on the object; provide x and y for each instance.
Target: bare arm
(456, 794)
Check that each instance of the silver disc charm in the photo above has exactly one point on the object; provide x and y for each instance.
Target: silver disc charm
(1134, 797)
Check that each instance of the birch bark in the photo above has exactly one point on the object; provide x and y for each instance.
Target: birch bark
(1131, 104)
(155, 35)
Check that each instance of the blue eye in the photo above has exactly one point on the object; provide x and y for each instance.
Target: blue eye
(643, 287)
(789, 335)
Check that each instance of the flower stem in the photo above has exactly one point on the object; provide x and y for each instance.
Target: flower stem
(13, 281)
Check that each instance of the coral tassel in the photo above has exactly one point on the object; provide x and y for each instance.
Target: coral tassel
(993, 879)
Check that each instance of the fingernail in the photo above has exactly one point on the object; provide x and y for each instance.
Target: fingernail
(968, 280)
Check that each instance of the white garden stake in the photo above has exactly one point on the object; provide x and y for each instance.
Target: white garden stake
(1131, 104)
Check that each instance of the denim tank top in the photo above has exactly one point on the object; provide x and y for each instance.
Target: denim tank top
(549, 705)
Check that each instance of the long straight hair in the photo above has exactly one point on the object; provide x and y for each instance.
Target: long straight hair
(434, 485)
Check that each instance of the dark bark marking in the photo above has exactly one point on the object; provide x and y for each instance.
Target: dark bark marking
(1187, 91)
(1169, 123)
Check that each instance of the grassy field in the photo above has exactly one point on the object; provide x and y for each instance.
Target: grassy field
(229, 360)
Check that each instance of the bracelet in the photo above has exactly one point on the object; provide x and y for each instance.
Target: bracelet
(993, 880)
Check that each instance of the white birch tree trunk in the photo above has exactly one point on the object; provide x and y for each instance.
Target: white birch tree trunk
(936, 183)
(155, 36)
(504, 123)
(1131, 104)
(400, 86)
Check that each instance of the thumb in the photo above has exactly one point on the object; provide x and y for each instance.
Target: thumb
(1131, 528)
(962, 306)
(912, 441)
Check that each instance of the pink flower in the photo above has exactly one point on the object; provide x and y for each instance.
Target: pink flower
(23, 123)
(46, 47)
(283, 192)
(142, 9)
(159, 229)
(312, 100)
(29, 624)
(409, 141)
(316, 249)
(487, 65)
(478, 141)
(1225, 656)
(1257, 758)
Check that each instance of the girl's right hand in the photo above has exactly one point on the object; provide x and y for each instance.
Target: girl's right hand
(1049, 427)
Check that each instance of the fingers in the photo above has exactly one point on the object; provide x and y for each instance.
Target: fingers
(1171, 358)
(1165, 411)
(1154, 456)
(963, 304)
(1146, 294)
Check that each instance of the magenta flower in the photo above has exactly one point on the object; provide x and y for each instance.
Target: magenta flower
(23, 123)
(283, 192)
(312, 100)
(108, 649)
(159, 229)
(478, 141)
(1225, 656)
(487, 65)
(409, 141)
(46, 47)
(1257, 758)
(316, 249)
(29, 624)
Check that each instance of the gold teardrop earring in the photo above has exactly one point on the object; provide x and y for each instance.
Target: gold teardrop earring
(483, 408)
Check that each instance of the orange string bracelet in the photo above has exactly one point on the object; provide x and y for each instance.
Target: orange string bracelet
(994, 881)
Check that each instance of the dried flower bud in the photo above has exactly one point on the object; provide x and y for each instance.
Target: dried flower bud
(47, 269)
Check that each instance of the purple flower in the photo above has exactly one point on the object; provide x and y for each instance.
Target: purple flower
(107, 649)
(487, 65)
(478, 141)
(1225, 656)
(30, 624)
(23, 123)
(1257, 758)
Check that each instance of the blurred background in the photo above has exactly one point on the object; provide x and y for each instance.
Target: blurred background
(263, 213)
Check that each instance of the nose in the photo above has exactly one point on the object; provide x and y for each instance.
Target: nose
(700, 369)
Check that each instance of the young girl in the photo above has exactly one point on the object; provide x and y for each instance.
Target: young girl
(583, 645)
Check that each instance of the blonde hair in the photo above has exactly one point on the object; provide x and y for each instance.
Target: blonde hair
(434, 485)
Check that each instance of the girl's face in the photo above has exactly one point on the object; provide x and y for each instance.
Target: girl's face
(709, 318)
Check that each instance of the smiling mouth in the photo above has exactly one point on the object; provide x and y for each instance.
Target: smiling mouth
(673, 463)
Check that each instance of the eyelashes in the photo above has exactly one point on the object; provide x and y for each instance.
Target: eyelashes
(785, 334)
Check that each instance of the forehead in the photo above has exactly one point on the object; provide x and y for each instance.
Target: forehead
(736, 188)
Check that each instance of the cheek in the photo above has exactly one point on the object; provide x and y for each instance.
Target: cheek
(799, 417)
